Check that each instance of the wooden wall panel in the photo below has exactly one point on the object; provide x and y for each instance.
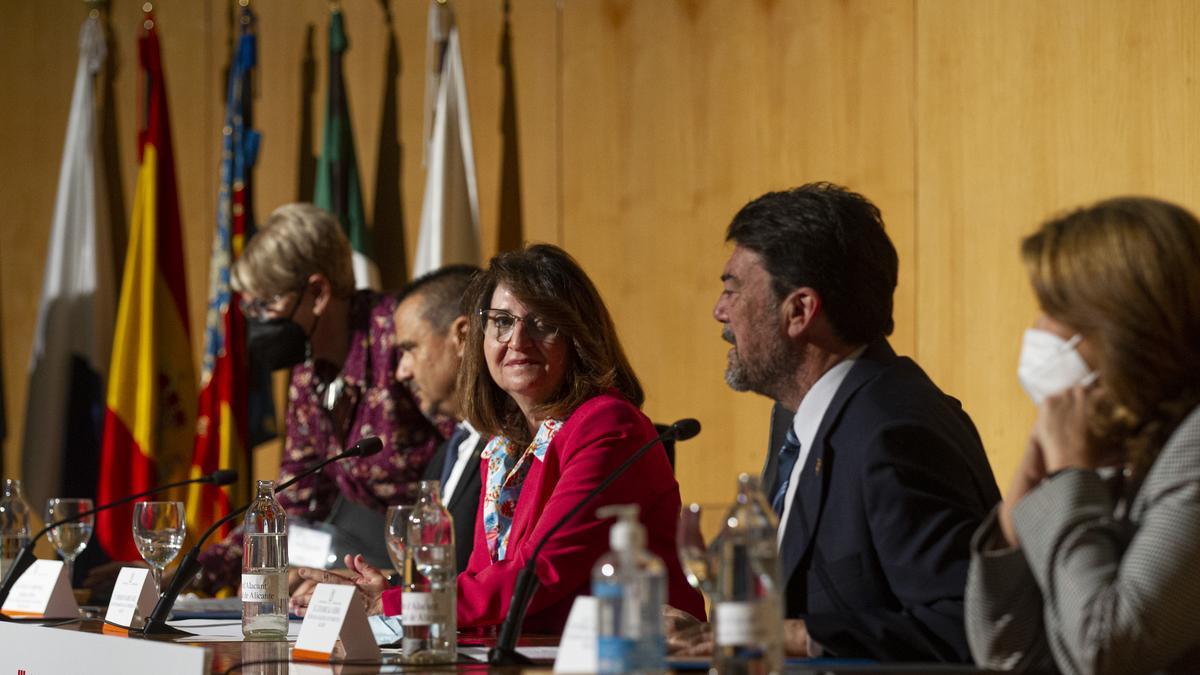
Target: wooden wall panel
(1025, 109)
(677, 113)
(643, 126)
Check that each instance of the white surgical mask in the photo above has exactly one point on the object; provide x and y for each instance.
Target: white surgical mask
(1050, 365)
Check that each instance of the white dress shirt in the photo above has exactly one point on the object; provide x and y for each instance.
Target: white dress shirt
(806, 422)
(465, 449)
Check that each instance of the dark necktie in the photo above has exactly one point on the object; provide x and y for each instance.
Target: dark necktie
(788, 453)
(460, 434)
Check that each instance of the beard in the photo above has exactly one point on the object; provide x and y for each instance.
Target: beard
(767, 375)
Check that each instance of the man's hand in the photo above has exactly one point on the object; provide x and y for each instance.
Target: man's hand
(686, 635)
(795, 638)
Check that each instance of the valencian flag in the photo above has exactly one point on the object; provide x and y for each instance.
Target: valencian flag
(151, 404)
(338, 189)
(450, 212)
(71, 346)
(235, 402)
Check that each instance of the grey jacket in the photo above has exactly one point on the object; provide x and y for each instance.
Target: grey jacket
(1091, 591)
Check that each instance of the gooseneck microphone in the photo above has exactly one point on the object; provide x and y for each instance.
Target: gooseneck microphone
(25, 556)
(156, 623)
(505, 652)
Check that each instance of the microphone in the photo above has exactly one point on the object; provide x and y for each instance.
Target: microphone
(505, 651)
(156, 623)
(25, 556)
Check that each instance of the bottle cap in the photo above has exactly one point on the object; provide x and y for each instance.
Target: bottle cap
(627, 533)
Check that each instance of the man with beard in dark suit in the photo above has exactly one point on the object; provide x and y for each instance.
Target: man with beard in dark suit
(879, 478)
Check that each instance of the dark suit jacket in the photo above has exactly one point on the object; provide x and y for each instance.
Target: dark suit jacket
(877, 544)
(465, 501)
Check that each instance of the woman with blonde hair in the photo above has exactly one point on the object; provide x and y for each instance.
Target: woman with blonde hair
(295, 280)
(1090, 561)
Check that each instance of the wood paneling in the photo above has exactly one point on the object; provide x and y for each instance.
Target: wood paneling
(643, 125)
(1025, 109)
(677, 113)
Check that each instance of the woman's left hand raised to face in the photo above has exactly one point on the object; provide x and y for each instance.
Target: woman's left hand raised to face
(1062, 430)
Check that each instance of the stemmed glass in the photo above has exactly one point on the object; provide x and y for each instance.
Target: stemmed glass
(158, 531)
(396, 536)
(697, 562)
(71, 538)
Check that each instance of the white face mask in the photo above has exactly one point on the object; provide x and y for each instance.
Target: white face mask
(1050, 365)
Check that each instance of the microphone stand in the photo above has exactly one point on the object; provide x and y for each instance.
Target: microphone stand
(155, 625)
(25, 556)
(505, 652)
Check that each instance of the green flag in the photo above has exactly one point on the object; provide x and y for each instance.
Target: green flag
(338, 189)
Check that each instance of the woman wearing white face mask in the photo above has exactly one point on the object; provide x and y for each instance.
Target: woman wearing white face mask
(1096, 569)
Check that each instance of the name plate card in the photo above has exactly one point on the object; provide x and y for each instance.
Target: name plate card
(335, 626)
(133, 599)
(43, 591)
(309, 547)
(577, 649)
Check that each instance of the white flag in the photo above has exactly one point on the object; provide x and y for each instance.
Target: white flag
(450, 211)
(72, 344)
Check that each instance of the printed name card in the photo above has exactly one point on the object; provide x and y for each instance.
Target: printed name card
(43, 591)
(335, 626)
(577, 649)
(309, 547)
(133, 599)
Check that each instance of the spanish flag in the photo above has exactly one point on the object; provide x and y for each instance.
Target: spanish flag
(150, 412)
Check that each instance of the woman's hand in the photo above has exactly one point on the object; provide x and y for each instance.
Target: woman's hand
(1061, 430)
(1031, 472)
(371, 582)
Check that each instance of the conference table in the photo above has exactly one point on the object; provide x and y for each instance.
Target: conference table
(84, 645)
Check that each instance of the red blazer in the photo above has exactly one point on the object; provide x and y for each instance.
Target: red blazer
(594, 440)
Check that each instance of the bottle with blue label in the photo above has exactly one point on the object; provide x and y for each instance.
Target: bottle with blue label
(630, 586)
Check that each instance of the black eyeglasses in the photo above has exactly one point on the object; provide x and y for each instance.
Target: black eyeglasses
(502, 324)
(257, 308)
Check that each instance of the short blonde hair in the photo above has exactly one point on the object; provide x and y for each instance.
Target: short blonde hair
(298, 240)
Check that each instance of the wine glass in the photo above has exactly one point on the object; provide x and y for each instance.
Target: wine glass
(71, 538)
(158, 531)
(396, 536)
(697, 563)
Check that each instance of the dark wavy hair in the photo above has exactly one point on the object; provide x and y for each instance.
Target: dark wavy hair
(1125, 274)
(547, 280)
(825, 237)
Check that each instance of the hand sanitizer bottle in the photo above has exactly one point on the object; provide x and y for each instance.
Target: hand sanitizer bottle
(630, 586)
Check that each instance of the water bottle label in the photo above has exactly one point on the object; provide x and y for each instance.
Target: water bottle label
(264, 587)
(426, 609)
(741, 623)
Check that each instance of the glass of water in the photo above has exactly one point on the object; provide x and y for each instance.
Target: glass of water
(158, 531)
(698, 564)
(71, 538)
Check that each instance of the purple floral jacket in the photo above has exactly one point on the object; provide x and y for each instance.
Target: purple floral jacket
(371, 403)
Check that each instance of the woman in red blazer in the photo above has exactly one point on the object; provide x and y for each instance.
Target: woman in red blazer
(544, 373)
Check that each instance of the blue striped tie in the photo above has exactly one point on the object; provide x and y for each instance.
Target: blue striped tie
(788, 453)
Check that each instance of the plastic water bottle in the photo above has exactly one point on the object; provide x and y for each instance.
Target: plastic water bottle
(265, 568)
(747, 595)
(430, 611)
(14, 524)
(630, 586)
